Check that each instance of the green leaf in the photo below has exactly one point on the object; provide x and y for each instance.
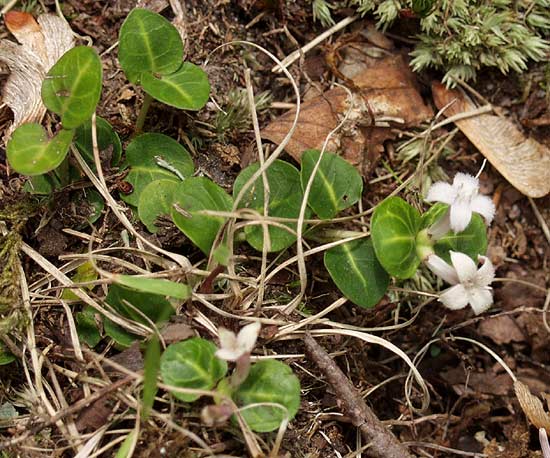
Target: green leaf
(145, 153)
(125, 448)
(5, 356)
(148, 43)
(285, 200)
(106, 137)
(72, 87)
(192, 196)
(155, 200)
(86, 327)
(41, 185)
(337, 184)
(154, 306)
(155, 286)
(191, 364)
(356, 271)
(151, 370)
(186, 89)
(394, 228)
(84, 273)
(90, 205)
(121, 337)
(30, 152)
(269, 381)
(434, 213)
(471, 241)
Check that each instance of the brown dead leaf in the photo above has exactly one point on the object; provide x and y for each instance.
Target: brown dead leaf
(175, 332)
(131, 359)
(501, 330)
(524, 162)
(154, 5)
(478, 382)
(537, 335)
(42, 44)
(532, 406)
(95, 415)
(392, 97)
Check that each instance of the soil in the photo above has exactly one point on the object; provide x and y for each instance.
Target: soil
(473, 409)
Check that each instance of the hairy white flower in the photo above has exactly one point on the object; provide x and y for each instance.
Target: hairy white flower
(232, 346)
(471, 285)
(463, 198)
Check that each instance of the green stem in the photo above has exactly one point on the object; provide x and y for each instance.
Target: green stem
(147, 99)
(332, 235)
(424, 245)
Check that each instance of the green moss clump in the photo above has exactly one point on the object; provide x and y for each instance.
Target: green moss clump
(462, 37)
(12, 221)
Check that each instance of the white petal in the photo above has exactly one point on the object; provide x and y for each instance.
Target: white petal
(441, 192)
(543, 439)
(228, 355)
(455, 297)
(486, 272)
(461, 214)
(484, 206)
(465, 267)
(466, 184)
(248, 335)
(439, 267)
(441, 227)
(228, 340)
(480, 299)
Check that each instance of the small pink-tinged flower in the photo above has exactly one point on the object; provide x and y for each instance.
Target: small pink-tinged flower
(470, 284)
(232, 346)
(463, 199)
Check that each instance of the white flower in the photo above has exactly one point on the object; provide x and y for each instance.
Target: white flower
(471, 285)
(463, 198)
(232, 346)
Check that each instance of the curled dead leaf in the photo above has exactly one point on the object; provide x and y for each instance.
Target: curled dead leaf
(42, 44)
(389, 87)
(532, 406)
(524, 162)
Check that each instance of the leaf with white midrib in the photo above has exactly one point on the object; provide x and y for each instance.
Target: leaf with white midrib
(148, 43)
(337, 184)
(394, 228)
(354, 268)
(72, 87)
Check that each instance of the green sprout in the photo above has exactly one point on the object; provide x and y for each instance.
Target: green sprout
(267, 391)
(150, 52)
(71, 89)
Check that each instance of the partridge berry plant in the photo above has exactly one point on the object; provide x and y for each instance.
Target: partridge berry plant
(450, 230)
(450, 237)
(71, 90)
(161, 182)
(150, 52)
(269, 388)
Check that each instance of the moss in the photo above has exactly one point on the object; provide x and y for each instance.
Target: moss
(461, 37)
(12, 222)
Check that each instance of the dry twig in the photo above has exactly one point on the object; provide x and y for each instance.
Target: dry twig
(383, 443)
